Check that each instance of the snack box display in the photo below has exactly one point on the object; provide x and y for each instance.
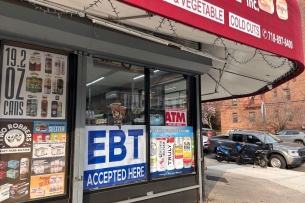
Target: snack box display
(3, 165)
(19, 190)
(13, 164)
(2, 175)
(5, 191)
(12, 174)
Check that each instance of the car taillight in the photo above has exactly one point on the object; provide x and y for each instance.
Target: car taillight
(208, 142)
(210, 133)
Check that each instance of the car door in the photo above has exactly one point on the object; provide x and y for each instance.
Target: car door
(281, 135)
(235, 138)
(252, 146)
(290, 134)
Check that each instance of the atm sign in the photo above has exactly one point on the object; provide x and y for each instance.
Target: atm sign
(175, 117)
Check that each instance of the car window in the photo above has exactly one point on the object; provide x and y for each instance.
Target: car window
(288, 132)
(252, 139)
(301, 133)
(282, 132)
(295, 133)
(237, 138)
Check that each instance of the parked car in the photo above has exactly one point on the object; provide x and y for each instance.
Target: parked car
(296, 136)
(206, 133)
(282, 155)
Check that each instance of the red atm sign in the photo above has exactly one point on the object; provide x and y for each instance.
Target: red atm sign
(175, 116)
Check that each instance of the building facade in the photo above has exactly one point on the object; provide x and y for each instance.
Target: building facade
(285, 105)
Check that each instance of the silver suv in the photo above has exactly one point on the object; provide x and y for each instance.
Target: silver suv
(296, 136)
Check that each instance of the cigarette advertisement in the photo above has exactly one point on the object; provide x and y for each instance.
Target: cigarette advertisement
(171, 151)
(15, 160)
(175, 116)
(114, 155)
(33, 84)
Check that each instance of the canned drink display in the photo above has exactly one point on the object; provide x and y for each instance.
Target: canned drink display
(161, 146)
(62, 68)
(13, 174)
(28, 84)
(47, 86)
(5, 191)
(57, 150)
(24, 168)
(39, 138)
(2, 175)
(153, 154)
(28, 107)
(39, 85)
(44, 106)
(54, 109)
(34, 84)
(193, 156)
(59, 109)
(60, 86)
(47, 138)
(57, 67)
(13, 164)
(39, 152)
(52, 166)
(34, 106)
(19, 190)
(54, 86)
(187, 152)
(32, 63)
(38, 62)
(3, 165)
(170, 154)
(38, 166)
(48, 64)
(178, 161)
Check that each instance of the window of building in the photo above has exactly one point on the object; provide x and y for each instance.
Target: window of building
(234, 102)
(235, 118)
(252, 117)
(274, 93)
(260, 96)
(251, 100)
(286, 94)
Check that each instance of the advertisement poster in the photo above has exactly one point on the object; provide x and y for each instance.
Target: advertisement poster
(171, 151)
(114, 155)
(15, 160)
(33, 84)
(48, 159)
(175, 116)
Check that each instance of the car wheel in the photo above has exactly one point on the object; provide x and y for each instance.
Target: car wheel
(299, 142)
(277, 161)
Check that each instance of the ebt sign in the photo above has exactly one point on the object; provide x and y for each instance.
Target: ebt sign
(114, 156)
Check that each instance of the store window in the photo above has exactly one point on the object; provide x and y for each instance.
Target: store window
(116, 139)
(172, 140)
(235, 118)
(234, 102)
(252, 117)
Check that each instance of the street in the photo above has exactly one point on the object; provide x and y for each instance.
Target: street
(229, 182)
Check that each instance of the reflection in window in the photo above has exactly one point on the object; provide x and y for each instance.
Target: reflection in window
(286, 94)
(168, 99)
(114, 94)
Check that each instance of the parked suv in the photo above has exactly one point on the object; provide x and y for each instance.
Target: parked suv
(206, 133)
(296, 136)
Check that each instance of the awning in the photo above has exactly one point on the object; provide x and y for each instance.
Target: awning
(254, 45)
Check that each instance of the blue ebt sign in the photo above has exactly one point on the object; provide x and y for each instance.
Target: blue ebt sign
(114, 156)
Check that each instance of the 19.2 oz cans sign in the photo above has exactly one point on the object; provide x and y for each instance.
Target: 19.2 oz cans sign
(33, 84)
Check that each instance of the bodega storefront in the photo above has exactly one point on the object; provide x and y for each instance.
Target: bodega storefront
(100, 100)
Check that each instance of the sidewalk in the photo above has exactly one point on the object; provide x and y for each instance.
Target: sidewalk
(245, 184)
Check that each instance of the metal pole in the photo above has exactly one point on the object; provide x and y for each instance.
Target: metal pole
(200, 159)
(264, 118)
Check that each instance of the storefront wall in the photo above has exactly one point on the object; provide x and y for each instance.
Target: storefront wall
(24, 28)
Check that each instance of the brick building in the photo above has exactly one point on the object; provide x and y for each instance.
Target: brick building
(285, 105)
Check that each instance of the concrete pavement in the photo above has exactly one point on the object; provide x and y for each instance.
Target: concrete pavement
(229, 182)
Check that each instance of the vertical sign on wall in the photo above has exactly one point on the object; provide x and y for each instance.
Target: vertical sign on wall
(33, 84)
(32, 154)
